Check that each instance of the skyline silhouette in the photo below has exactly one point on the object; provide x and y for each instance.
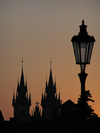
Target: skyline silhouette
(40, 30)
(51, 104)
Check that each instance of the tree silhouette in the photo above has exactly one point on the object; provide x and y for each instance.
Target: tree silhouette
(89, 112)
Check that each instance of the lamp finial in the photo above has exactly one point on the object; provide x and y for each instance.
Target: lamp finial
(83, 22)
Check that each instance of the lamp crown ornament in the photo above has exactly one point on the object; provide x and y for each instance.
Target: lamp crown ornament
(83, 28)
(83, 45)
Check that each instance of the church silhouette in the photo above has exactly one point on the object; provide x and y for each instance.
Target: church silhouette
(21, 103)
(54, 116)
(49, 102)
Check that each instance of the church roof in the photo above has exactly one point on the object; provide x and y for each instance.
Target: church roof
(68, 104)
(1, 117)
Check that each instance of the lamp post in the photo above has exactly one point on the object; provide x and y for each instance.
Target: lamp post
(83, 45)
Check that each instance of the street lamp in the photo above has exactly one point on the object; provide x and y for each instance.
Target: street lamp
(83, 45)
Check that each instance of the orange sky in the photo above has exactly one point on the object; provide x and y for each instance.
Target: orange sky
(38, 30)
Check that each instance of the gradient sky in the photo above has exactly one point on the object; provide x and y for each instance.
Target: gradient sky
(38, 30)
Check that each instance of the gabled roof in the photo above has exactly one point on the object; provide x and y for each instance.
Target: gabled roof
(1, 117)
(68, 104)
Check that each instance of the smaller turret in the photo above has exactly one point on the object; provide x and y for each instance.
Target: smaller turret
(13, 101)
(59, 96)
(55, 81)
(26, 84)
(30, 98)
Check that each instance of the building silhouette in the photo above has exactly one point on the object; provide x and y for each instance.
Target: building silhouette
(22, 103)
(1, 117)
(68, 109)
(36, 113)
(49, 102)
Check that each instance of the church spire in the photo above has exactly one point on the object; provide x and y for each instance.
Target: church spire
(29, 98)
(42, 97)
(13, 99)
(46, 81)
(51, 64)
(55, 81)
(50, 77)
(59, 96)
(26, 83)
(22, 76)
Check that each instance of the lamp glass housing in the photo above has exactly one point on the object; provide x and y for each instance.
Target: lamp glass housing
(83, 46)
(83, 52)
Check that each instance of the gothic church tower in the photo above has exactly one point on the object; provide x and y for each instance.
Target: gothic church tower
(22, 103)
(49, 102)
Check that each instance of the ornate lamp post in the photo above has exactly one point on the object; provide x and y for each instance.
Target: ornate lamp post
(83, 45)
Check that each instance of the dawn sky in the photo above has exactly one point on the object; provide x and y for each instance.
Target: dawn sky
(37, 30)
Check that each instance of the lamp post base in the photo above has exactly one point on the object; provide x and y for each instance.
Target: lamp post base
(82, 77)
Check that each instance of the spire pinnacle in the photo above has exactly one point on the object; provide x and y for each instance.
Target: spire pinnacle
(30, 98)
(22, 62)
(46, 80)
(50, 63)
(26, 82)
(22, 76)
(13, 97)
(59, 95)
(50, 77)
(55, 81)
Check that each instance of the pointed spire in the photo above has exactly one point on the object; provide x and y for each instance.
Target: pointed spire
(13, 98)
(59, 95)
(51, 64)
(46, 81)
(55, 81)
(22, 76)
(42, 97)
(30, 98)
(50, 77)
(26, 83)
